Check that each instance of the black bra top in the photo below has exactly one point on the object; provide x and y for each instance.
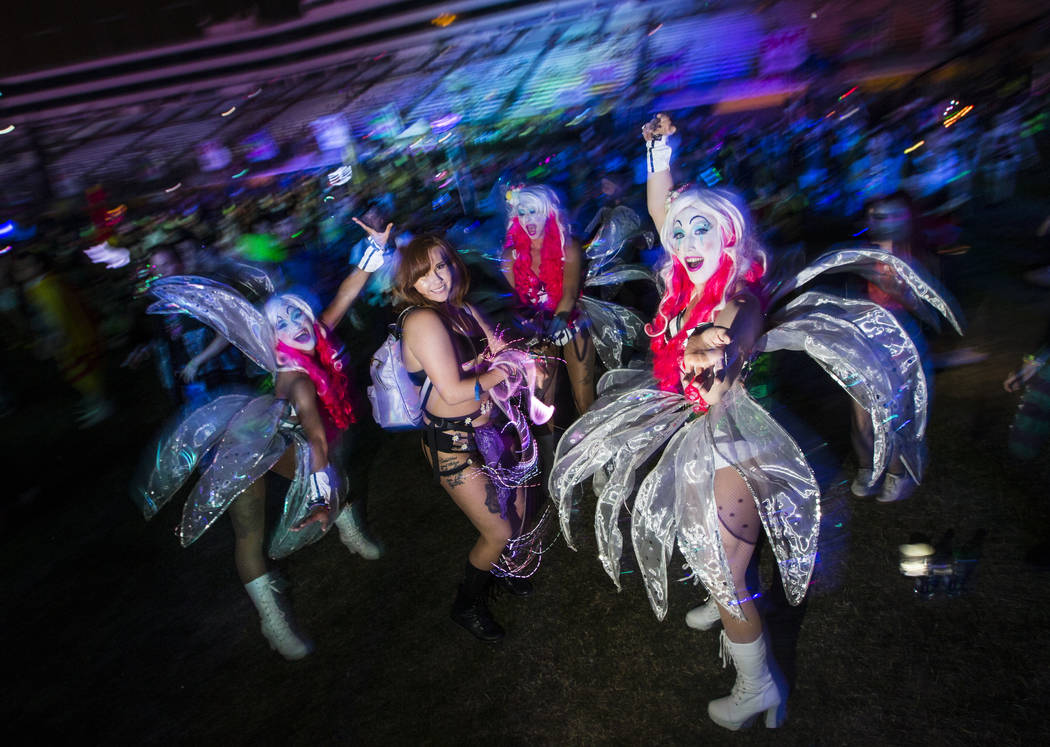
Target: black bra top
(417, 377)
(466, 347)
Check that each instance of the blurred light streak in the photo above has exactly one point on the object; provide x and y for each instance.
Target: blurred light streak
(863, 230)
(9, 128)
(169, 190)
(915, 147)
(229, 111)
(7, 228)
(958, 115)
(443, 20)
(239, 174)
(847, 93)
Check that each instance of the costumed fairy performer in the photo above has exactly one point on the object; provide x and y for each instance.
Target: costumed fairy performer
(475, 436)
(726, 469)
(235, 439)
(544, 266)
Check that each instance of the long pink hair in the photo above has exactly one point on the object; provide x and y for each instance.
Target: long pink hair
(552, 253)
(742, 262)
(324, 366)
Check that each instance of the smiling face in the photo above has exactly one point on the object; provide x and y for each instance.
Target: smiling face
(532, 214)
(293, 325)
(436, 284)
(696, 242)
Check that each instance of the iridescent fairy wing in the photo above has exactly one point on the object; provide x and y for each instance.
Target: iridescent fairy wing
(249, 447)
(180, 450)
(221, 308)
(614, 329)
(606, 248)
(892, 274)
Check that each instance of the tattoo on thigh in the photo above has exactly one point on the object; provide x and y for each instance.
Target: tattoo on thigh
(447, 463)
(491, 497)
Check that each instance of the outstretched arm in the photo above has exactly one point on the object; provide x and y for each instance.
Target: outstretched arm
(715, 355)
(351, 286)
(658, 166)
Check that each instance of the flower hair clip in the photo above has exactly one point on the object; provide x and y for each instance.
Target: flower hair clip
(512, 194)
(675, 193)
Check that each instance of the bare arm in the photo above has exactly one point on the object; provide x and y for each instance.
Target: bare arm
(715, 356)
(348, 292)
(570, 284)
(658, 184)
(216, 346)
(428, 341)
(303, 395)
(352, 285)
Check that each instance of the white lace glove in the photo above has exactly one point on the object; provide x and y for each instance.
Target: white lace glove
(320, 491)
(657, 155)
(373, 258)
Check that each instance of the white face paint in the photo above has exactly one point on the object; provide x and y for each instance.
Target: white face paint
(437, 283)
(696, 241)
(294, 328)
(532, 215)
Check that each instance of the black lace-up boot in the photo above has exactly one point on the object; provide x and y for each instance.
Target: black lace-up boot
(470, 609)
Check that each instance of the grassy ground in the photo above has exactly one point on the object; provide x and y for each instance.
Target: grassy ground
(116, 635)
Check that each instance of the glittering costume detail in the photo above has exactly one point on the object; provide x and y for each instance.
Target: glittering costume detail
(860, 344)
(236, 438)
(239, 438)
(614, 328)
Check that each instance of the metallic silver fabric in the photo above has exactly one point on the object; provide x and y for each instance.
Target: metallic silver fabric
(909, 283)
(238, 439)
(860, 344)
(221, 308)
(614, 329)
(627, 427)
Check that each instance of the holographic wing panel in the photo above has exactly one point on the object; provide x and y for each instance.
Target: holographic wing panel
(221, 308)
(892, 274)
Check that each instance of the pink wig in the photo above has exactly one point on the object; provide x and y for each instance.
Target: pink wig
(323, 365)
(742, 261)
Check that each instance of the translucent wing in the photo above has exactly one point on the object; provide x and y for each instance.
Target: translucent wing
(890, 273)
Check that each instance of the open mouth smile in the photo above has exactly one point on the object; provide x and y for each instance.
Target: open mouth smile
(693, 263)
(303, 336)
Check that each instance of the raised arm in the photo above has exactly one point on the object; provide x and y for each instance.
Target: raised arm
(351, 286)
(658, 183)
(428, 341)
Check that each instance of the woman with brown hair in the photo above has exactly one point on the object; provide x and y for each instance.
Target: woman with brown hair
(468, 375)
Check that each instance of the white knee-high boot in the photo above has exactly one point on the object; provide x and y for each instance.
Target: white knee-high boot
(353, 534)
(754, 690)
(276, 625)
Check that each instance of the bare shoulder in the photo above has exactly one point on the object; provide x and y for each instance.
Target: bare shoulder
(292, 385)
(422, 323)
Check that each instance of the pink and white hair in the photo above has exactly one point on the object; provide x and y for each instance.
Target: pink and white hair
(324, 364)
(743, 261)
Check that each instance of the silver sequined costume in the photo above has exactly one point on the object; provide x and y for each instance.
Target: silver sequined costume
(862, 347)
(235, 439)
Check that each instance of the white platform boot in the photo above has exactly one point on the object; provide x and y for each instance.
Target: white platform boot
(353, 535)
(753, 692)
(704, 617)
(276, 627)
